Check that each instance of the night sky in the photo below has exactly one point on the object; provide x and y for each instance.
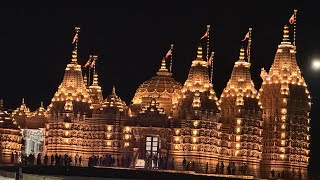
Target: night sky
(131, 37)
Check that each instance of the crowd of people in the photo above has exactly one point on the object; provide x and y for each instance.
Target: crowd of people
(53, 160)
(109, 161)
(151, 162)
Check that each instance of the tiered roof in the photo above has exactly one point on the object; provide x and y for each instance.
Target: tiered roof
(197, 92)
(240, 84)
(72, 95)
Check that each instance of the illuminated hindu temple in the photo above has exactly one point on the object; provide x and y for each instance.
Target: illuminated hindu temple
(257, 131)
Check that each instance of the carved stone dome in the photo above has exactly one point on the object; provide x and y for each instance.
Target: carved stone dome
(162, 87)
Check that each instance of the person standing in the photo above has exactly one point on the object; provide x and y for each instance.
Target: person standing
(80, 158)
(207, 167)
(52, 159)
(184, 163)
(45, 161)
(76, 158)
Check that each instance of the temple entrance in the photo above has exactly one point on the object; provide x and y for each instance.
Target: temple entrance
(152, 146)
(152, 152)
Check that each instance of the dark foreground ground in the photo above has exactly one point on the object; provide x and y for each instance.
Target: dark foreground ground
(113, 173)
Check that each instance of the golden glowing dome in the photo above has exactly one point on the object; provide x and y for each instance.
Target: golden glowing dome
(6, 121)
(114, 102)
(163, 87)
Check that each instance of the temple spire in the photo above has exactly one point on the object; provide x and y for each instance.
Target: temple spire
(75, 50)
(285, 34)
(113, 90)
(41, 104)
(1, 104)
(22, 100)
(199, 52)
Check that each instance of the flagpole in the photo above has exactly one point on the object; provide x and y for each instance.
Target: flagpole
(211, 76)
(171, 58)
(249, 45)
(294, 27)
(208, 41)
(90, 57)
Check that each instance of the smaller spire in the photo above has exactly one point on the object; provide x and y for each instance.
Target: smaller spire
(113, 90)
(22, 100)
(41, 104)
(75, 50)
(1, 104)
(199, 52)
(241, 55)
(285, 34)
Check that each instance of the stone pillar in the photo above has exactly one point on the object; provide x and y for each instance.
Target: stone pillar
(134, 157)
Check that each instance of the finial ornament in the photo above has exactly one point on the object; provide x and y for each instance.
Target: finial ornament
(199, 52)
(22, 100)
(1, 104)
(41, 104)
(75, 40)
(163, 64)
(113, 90)
(241, 55)
(285, 33)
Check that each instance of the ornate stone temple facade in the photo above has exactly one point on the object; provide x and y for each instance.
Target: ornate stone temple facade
(10, 137)
(253, 132)
(286, 105)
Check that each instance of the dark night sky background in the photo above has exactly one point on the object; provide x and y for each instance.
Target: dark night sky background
(131, 37)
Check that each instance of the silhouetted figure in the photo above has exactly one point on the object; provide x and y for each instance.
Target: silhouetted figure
(272, 173)
(80, 159)
(217, 168)
(184, 163)
(39, 159)
(222, 168)
(193, 166)
(172, 166)
(155, 162)
(45, 160)
(207, 167)
(52, 159)
(12, 158)
(76, 158)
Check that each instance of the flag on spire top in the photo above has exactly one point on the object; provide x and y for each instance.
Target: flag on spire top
(205, 35)
(93, 63)
(88, 63)
(292, 19)
(210, 59)
(246, 36)
(75, 38)
(169, 53)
